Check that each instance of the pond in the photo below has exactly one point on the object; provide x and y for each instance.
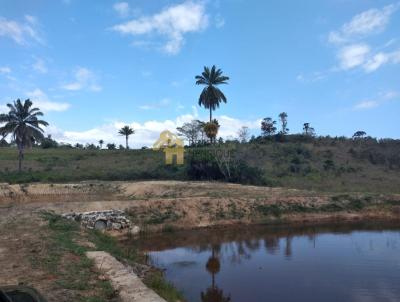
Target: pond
(331, 263)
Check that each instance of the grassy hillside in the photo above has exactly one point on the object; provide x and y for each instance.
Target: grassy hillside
(326, 164)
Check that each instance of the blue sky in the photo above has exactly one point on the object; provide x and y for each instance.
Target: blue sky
(94, 66)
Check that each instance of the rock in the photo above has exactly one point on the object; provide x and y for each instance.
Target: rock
(102, 220)
(135, 230)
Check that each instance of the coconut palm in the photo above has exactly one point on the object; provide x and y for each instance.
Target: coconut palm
(211, 96)
(126, 131)
(23, 123)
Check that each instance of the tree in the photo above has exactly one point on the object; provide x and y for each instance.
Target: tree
(211, 130)
(243, 134)
(101, 142)
(91, 147)
(283, 118)
(48, 142)
(359, 134)
(126, 131)
(308, 130)
(111, 146)
(24, 124)
(191, 131)
(268, 126)
(211, 96)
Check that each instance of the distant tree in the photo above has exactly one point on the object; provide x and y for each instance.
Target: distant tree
(268, 126)
(48, 142)
(211, 130)
(91, 147)
(3, 142)
(111, 146)
(243, 134)
(101, 142)
(78, 146)
(191, 131)
(283, 119)
(211, 96)
(308, 130)
(359, 134)
(23, 123)
(126, 131)
(121, 147)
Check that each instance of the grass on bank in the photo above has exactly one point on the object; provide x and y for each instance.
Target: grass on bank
(322, 164)
(65, 257)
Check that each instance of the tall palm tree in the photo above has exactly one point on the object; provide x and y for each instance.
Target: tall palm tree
(211, 96)
(23, 123)
(126, 131)
(101, 142)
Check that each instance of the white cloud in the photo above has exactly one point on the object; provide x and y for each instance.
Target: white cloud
(153, 106)
(312, 77)
(172, 23)
(20, 32)
(122, 8)
(366, 105)
(368, 22)
(40, 66)
(219, 21)
(5, 69)
(381, 59)
(146, 133)
(380, 100)
(353, 55)
(3, 109)
(41, 100)
(31, 19)
(375, 62)
(352, 52)
(84, 79)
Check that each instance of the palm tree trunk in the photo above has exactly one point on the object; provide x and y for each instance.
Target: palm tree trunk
(127, 143)
(20, 157)
(210, 114)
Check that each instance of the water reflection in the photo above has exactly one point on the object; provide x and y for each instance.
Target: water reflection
(333, 263)
(213, 293)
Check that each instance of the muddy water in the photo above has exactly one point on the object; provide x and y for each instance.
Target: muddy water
(335, 263)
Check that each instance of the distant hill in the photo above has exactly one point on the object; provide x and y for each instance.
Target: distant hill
(323, 164)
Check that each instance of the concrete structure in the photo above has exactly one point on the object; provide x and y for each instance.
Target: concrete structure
(128, 285)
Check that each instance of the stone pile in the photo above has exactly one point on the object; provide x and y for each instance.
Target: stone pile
(102, 220)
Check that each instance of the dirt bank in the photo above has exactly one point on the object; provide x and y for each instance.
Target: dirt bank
(158, 205)
(33, 254)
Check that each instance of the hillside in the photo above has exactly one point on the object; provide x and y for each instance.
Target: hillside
(322, 164)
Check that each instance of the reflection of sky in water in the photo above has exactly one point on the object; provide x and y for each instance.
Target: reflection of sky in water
(359, 266)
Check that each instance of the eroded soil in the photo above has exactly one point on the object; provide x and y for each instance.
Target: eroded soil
(157, 205)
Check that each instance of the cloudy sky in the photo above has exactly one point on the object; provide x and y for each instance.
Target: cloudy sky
(93, 66)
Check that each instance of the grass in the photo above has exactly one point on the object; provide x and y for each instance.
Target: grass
(322, 164)
(65, 257)
(165, 289)
(338, 203)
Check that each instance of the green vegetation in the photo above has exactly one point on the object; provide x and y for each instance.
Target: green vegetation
(66, 260)
(23, 123)
(300, 161)
(126, 131)
(164, 288)
(211, 96)
(338, 203)
(65, 257)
